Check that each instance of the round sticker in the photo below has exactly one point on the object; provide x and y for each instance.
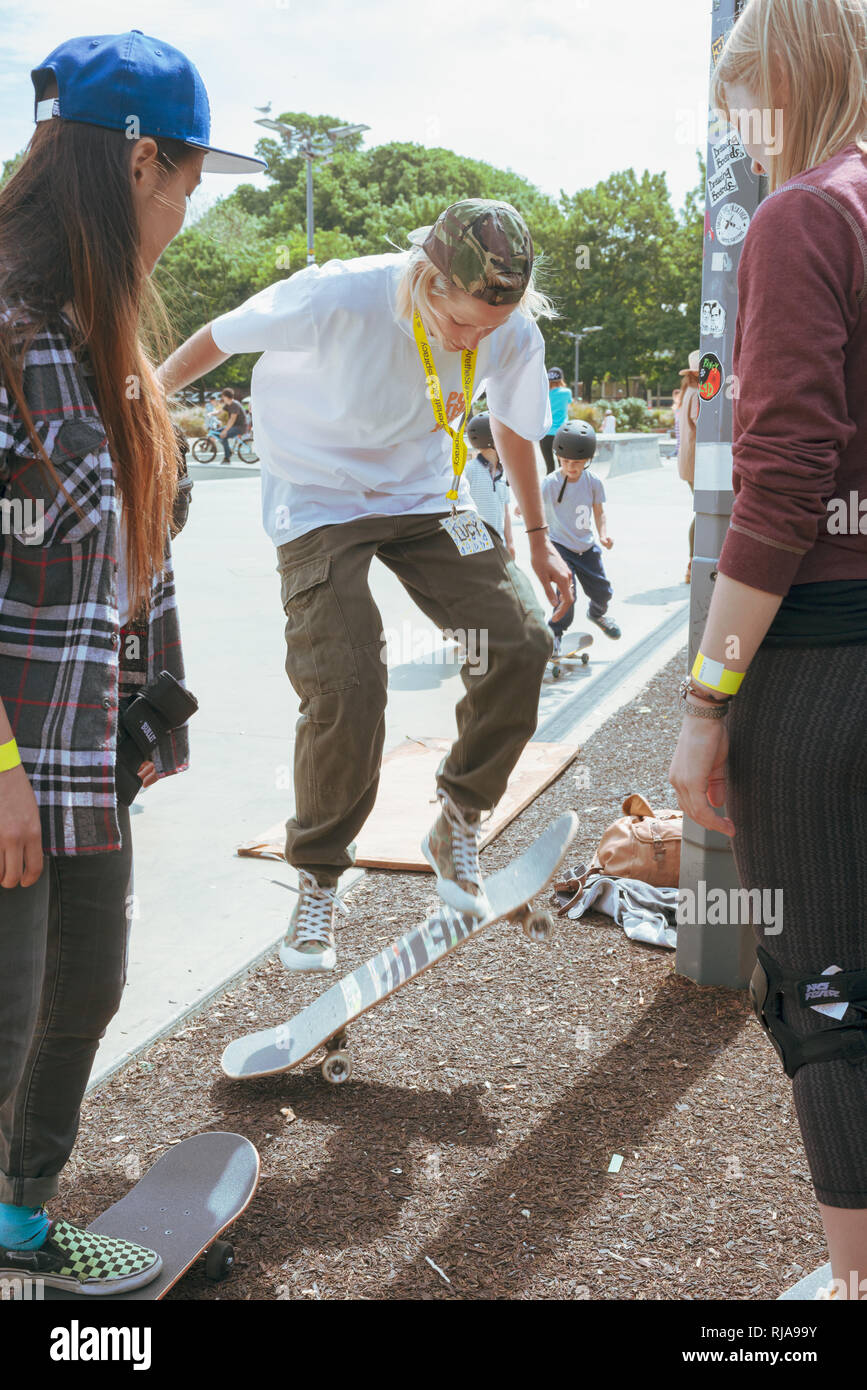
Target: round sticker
(710, 376)
(731, 224)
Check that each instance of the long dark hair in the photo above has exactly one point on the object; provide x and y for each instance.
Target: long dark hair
(69, 234)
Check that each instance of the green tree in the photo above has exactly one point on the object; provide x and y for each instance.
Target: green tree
(617, 254)
(623, 259)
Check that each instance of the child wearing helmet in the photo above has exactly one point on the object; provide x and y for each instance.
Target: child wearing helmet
(487, 481)
(574, 498)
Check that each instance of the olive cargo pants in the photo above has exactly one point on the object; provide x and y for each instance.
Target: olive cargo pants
(336, 661)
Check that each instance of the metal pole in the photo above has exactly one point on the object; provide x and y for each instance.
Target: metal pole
(311, 259)
(716, 954)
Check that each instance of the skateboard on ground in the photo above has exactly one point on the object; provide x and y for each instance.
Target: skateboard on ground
(180, 1208)
(572, 657)
(324, 1023)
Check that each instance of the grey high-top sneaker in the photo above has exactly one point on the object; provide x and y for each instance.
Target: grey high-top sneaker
(451, 847)
(309, 942)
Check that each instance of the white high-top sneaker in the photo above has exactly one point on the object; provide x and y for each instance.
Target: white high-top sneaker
(309, 942)
(451, 847)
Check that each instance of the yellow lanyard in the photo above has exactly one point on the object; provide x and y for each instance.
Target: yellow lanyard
(468, 371)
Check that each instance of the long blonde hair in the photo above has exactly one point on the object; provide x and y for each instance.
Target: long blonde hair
(421, 280)
(816, 50)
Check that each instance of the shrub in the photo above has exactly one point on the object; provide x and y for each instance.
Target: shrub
(192, 422)
(591, 413)
(631, 414)
(662, 417)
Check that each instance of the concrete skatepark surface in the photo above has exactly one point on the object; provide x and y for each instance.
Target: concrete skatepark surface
(200, 915)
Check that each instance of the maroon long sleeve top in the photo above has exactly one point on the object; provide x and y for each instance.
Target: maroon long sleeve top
(800, 364)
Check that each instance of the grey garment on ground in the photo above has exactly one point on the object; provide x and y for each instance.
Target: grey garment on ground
(570, 520)
(334, 659)
(644, 912)
(797, 794)
(63, 958)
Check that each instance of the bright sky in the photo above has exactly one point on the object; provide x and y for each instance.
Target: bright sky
(564, 93)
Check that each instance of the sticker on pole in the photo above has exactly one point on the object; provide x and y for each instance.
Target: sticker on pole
(710, 376)
(728, 151)
(721, 185)
(731, 224)
(713, 319)
(467, 530)
(721, 262)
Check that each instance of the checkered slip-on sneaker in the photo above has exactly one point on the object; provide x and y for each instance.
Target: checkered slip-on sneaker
(83, 1262)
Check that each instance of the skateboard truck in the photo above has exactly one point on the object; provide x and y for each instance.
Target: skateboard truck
(337, 1066)
(537, 924)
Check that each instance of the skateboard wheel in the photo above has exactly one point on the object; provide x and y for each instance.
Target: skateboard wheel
(555, 672)
(219, 1261)
(337, 1067)
(538, 926)
(584, 658)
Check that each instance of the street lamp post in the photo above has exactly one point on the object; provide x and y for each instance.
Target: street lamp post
(310, 147)
(578, 337)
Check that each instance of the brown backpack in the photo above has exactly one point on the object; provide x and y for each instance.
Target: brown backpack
(643, 844)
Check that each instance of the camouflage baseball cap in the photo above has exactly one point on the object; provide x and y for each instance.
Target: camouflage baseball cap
(477, 242)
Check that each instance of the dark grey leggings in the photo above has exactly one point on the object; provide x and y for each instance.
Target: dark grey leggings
(797, 794)
(63, 954)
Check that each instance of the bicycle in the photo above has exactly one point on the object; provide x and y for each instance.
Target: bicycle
(241, 445)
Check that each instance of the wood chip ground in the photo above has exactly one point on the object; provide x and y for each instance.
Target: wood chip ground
(468, 1158)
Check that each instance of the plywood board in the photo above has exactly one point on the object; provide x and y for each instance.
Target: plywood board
(406, 803)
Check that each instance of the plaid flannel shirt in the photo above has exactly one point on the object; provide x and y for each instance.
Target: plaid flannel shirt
(65, 664)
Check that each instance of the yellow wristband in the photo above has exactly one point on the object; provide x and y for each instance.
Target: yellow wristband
(716, 676)
(9, 756)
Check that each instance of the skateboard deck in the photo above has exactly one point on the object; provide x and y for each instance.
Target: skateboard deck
(808, 1286)
(179, 1208)
(577, 653)
(276, 1050)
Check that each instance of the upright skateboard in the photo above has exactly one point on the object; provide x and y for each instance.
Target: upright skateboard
(576, 654)
(324, 1022)
(180, 1208)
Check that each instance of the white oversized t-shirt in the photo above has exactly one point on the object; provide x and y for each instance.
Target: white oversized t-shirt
(344, 428)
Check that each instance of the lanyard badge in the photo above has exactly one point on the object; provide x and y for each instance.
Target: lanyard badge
(467, 530)
(435, 395)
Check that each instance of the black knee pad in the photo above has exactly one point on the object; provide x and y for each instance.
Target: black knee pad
(770, 986)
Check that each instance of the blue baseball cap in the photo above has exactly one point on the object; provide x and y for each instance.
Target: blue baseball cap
(111, 79)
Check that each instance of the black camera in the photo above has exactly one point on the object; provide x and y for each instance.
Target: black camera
(155, 711)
